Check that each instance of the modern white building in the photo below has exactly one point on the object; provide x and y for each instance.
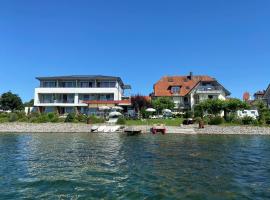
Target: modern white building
(65, 94)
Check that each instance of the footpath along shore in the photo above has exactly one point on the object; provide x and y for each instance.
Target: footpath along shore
(86, 128)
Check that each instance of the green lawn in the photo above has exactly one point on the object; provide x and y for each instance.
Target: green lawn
(167, 122)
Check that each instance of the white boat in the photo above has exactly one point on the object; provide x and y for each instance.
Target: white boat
(107, 129)
(101, 128)
(115, 128)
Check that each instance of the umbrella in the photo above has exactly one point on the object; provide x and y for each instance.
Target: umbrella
(111, 114)
(104, 108)
(167, 110)
(117, 108)
(150, 110)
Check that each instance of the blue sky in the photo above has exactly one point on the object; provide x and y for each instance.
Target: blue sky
(139, 41)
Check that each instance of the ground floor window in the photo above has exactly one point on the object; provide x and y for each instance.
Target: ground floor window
(69, 109)
(49, 109)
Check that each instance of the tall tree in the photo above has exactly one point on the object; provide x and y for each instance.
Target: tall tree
(163, 103)
(211, 106)
(232, 105)
(140, 102)
(29, 103)
(10, 101)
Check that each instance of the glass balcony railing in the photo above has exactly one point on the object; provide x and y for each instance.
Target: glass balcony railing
(209, 88)
(57, 101)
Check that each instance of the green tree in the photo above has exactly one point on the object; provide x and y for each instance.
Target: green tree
(161, 103)
(264, 112)
(232, 105)
(29, 103)
(211, 106)
(10, 101)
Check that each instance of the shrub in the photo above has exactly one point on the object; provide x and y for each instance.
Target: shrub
(81, 118)
(188, 114)
(216, 120)
(95, 120)
(197, 119)
(248, 120)
(12, 117)
(70, 117)
(230, 118)
(53, 117)
(121, 121)
(3, 120)
(145, 114)
(206, 120)
(43, 118)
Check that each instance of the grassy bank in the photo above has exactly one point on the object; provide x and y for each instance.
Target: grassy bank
(167, 122)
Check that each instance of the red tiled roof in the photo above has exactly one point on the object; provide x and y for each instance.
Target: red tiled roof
(162, 87)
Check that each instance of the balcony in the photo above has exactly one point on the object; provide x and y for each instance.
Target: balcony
(56, 101)
(209, 90)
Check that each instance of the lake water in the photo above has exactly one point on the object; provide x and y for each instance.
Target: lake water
(114, 166)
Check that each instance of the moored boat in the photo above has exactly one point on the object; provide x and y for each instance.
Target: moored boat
(132, 131)
(158, 129)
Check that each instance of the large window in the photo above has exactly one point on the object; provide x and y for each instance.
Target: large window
(102, 97)
(48, 84)
(86, 84)
(67, 84)
(106, 84)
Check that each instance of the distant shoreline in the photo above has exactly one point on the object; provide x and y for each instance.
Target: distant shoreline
(22, 127)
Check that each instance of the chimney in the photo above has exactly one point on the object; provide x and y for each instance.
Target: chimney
(190, 77)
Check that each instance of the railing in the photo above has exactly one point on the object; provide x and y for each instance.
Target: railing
(57, 101)
(209, 88)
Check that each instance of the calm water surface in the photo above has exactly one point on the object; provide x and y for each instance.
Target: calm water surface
(95, 166)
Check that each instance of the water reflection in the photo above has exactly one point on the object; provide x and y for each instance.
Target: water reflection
(116, 166)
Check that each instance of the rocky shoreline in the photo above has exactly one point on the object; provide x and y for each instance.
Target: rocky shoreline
(86, 128)
(234, 130)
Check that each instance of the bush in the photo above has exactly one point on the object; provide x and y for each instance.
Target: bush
(248, 120)
(43, 118)
(206, 120)
(146, 114)
(12, 117)
(230, 118)
(53, 117)
(70, 117)
(121, 121)
(81, 118)
(197, 119)
(95, 120)
(216, 120)
(188, 114)
(3, 120)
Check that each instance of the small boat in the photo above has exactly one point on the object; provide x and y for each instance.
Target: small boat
(115, 128)
(132, 131)
(94, 128)
(158, 129)
(107, 129)
(101, 128)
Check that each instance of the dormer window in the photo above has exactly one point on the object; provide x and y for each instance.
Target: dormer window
(175, 89)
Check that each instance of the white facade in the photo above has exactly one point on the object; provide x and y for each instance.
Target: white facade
(69, 93)
(198, 94)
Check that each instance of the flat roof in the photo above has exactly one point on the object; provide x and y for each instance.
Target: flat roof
(80, 77)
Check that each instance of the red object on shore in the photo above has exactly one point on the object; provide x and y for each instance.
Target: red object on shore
(156, 130)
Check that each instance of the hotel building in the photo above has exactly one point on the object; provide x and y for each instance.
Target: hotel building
(84, 94)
